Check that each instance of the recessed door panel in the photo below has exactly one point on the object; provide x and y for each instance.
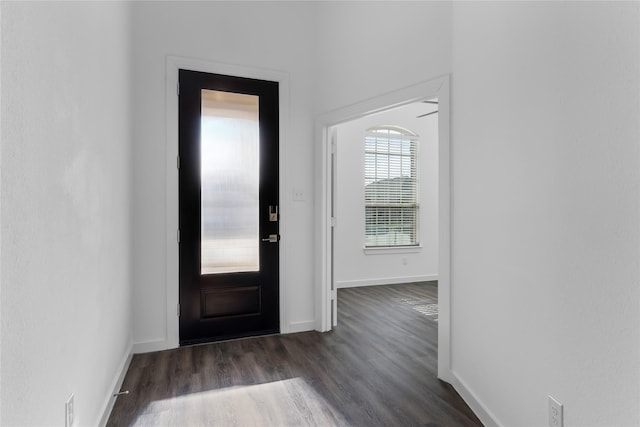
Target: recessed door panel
(231, 301)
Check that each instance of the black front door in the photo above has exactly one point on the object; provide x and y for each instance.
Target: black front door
(228, 185)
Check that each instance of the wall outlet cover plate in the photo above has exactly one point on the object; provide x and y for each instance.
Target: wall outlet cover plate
(555, 413)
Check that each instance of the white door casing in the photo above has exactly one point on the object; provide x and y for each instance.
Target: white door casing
(325, 288)
(173, 64)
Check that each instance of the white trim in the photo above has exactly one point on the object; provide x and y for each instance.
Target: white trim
(323, 192)
(375, 131)
(116, 384)
(173, 64)
(435, 88)
(149, 346)
(471, 399)
(444, 230)
(385, 250)
(385, 281)
(305, 326)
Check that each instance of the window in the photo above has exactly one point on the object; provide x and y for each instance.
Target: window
(390, 187)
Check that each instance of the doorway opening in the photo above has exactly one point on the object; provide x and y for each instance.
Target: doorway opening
(328, 129)
(385, 204)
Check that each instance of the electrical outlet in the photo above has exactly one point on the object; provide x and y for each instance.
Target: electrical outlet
(68, 412)
(555, 413)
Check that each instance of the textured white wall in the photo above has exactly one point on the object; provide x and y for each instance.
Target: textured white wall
(65, 219)
(545, 256)
(366, 49)
(276, 36)
(354, 267)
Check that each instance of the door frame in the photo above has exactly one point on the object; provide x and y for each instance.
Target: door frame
(325, 288)
(173, 64)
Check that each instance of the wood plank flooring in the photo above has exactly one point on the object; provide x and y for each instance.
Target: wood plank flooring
(377, 368)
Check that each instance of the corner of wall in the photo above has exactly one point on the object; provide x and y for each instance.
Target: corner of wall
(471, 399)
(116, 385)
(150, 346)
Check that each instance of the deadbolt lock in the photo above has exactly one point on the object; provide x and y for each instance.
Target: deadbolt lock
(273, 213)
(273, 238)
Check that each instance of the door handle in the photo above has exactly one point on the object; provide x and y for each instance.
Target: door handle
(273, 238)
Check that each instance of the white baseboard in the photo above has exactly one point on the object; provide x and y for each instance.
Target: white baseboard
(308, 325)
(149, 346)
(385, 281)
(478, 408)
(110, 400)
(160, 345)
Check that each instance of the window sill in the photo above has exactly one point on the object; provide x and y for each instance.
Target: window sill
(392, 250)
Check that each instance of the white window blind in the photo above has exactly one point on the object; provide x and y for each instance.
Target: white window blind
(390, 182)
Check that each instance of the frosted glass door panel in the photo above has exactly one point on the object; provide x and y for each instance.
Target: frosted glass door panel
(229, 171)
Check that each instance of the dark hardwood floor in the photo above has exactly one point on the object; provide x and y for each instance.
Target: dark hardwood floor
(377, 368)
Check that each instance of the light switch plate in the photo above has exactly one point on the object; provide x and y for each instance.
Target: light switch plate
(298, 195)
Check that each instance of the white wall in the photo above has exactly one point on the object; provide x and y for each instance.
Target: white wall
(545, 248)
(353, 266)
(65, 219)
(275, 36)
(366, 49)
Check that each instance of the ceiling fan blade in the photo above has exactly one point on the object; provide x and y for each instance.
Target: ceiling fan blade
(425, 115)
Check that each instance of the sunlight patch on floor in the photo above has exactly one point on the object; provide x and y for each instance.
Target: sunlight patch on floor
(290, 402)
(423, 306)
